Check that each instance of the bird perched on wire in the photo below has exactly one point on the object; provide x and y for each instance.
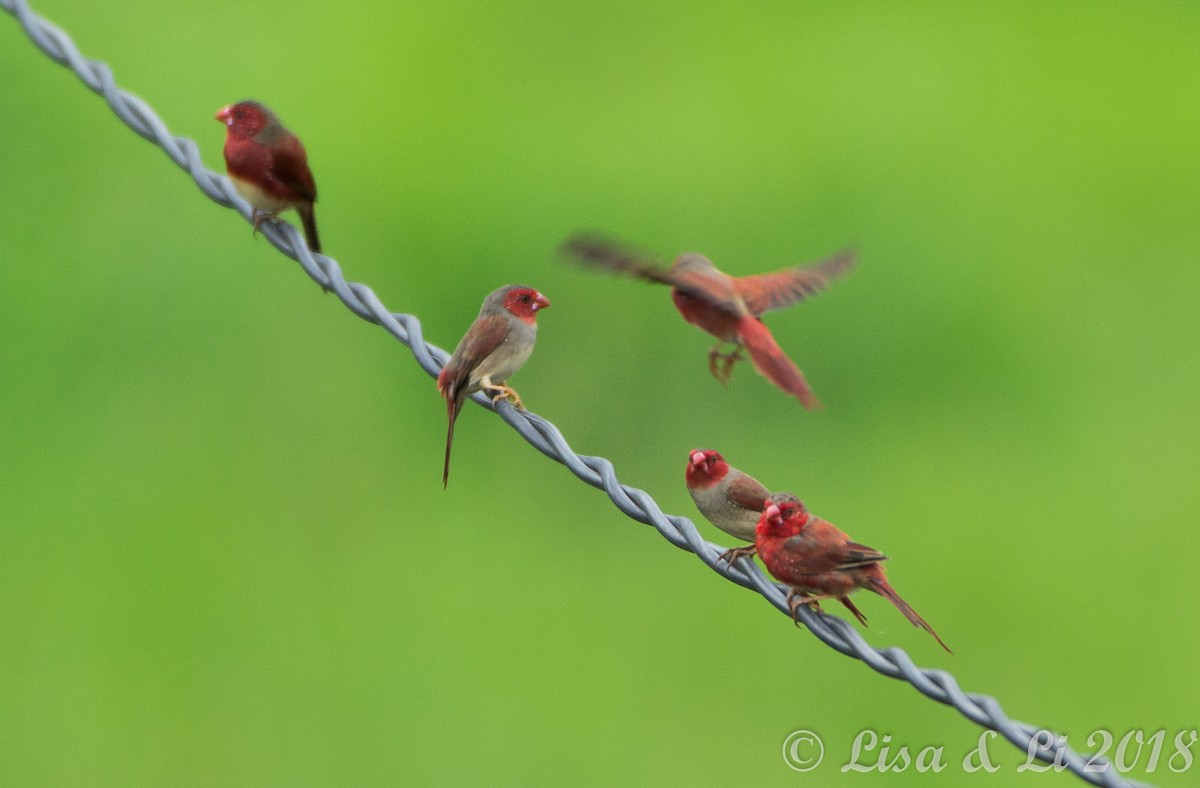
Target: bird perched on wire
(268, 166)
(496, 345)
(727, 307)
(820, 562)
(728, 498)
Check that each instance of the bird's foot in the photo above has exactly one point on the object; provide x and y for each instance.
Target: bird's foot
(259, 216)
(721, 364)
(504, 392)
(797, 599)
(736, 553)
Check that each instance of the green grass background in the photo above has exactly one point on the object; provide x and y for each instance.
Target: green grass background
(225, 554)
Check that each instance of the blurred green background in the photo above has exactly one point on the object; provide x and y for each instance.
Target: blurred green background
(225, 554)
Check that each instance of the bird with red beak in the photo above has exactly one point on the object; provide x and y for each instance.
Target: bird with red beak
(819, 561)
(496, 345)
(268, 166)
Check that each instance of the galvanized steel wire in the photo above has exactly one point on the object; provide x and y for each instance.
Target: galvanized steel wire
(599, 472)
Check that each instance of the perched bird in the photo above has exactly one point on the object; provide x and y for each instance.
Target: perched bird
(496, 345)
(727, 307)
(729, 499)
(268, 166)
(820, 562)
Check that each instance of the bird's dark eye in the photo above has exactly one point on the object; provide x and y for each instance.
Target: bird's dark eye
(526, 298)
(712, 460)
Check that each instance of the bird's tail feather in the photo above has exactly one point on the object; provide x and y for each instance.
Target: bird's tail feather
(309, 220)
(845, 600)
(884, 589)
(453, 406)
(772, 363)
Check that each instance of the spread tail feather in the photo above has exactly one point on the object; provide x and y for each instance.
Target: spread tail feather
(309, 220)
(772, 363)
(881, 587)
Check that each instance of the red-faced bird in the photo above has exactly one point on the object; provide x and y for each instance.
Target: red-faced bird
(727, 307)
(496, 345)
(268, 166)
(819, 561)
(728, 498)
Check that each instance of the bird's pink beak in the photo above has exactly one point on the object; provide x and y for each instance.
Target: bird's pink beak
(771, 512)
(539, 302)
(225, 115)
(697, 459)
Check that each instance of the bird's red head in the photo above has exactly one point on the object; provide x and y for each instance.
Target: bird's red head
(705, 468)
(784, 515)
(524, 302)
(245, 118)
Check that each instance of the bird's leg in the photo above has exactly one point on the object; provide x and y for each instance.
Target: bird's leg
(713, 355)
(504, 392)
(731, 359)
(259, 216)
(724, 370)
(797, 599)
(736, 553)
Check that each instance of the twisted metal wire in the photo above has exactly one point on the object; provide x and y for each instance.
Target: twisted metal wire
(835, 632)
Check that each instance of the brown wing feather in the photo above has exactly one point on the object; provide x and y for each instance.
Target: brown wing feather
(718, 291)
(612, 257)
(608, 255)
(484, 336)
(860, 555)
(290, 167)
(804, 557)
(764, 292)
(823, 547)
(746, 492)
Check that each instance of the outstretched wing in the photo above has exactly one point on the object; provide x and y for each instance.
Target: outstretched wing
(605, 254)
(764, 292)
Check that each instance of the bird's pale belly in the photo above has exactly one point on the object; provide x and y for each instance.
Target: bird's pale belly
(504, 362)
(252, 194)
